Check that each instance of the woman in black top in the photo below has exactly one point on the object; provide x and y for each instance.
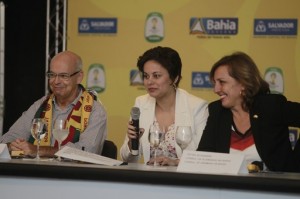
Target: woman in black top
(247, 118)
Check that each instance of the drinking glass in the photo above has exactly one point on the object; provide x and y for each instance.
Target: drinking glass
(155, 137)
(38, 131)
(60, 132)
(183, 136)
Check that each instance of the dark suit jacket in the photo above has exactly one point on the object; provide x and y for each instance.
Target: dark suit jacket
(270, 117)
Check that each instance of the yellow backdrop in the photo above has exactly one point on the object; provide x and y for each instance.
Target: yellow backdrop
(118, 53)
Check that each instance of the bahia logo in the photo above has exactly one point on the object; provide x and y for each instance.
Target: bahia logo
(214, 26)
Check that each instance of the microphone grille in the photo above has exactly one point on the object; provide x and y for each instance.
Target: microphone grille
(135, 113)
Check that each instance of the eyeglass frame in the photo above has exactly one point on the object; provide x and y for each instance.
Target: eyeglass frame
(64, 76)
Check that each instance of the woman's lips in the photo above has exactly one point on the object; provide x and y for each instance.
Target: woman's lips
(151, 89)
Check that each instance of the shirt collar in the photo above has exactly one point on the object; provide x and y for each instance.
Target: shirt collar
(74, 101)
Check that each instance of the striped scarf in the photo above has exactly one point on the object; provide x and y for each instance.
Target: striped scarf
(77, 120)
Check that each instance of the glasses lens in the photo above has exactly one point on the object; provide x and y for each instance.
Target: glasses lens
(64, 76)
(51, 75)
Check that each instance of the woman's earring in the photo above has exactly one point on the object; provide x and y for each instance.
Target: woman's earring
(174, 83)
(174, 86)
(242, 93)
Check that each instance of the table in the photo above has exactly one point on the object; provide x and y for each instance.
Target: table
(48, 179)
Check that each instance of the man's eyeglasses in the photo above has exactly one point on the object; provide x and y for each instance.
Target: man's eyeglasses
(64, 76)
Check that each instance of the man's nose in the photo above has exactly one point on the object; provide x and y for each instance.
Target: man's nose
(216, 88)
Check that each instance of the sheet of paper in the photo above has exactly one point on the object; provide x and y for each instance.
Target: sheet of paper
(84, 156)
(213, 163)
(4, 153)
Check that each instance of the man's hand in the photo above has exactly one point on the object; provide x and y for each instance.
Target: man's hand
(22, 145)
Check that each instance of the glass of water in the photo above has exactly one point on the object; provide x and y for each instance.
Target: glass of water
(60, 132)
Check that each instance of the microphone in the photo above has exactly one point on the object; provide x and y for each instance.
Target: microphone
(135, 115)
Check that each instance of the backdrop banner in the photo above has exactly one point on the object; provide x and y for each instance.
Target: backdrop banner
(111, 34)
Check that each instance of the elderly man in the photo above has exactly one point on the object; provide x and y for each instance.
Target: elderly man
(85, 116)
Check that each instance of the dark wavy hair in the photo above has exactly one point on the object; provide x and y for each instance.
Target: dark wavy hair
(167, 57)
(242, 68)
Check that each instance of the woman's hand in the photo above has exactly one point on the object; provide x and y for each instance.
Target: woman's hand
(132, 134)
(164, 161)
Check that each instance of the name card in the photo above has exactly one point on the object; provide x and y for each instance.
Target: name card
(4, 153)
(207, 162)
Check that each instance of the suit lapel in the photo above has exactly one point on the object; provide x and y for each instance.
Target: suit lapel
(147, 112)
(182, 116)
(225, 129)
